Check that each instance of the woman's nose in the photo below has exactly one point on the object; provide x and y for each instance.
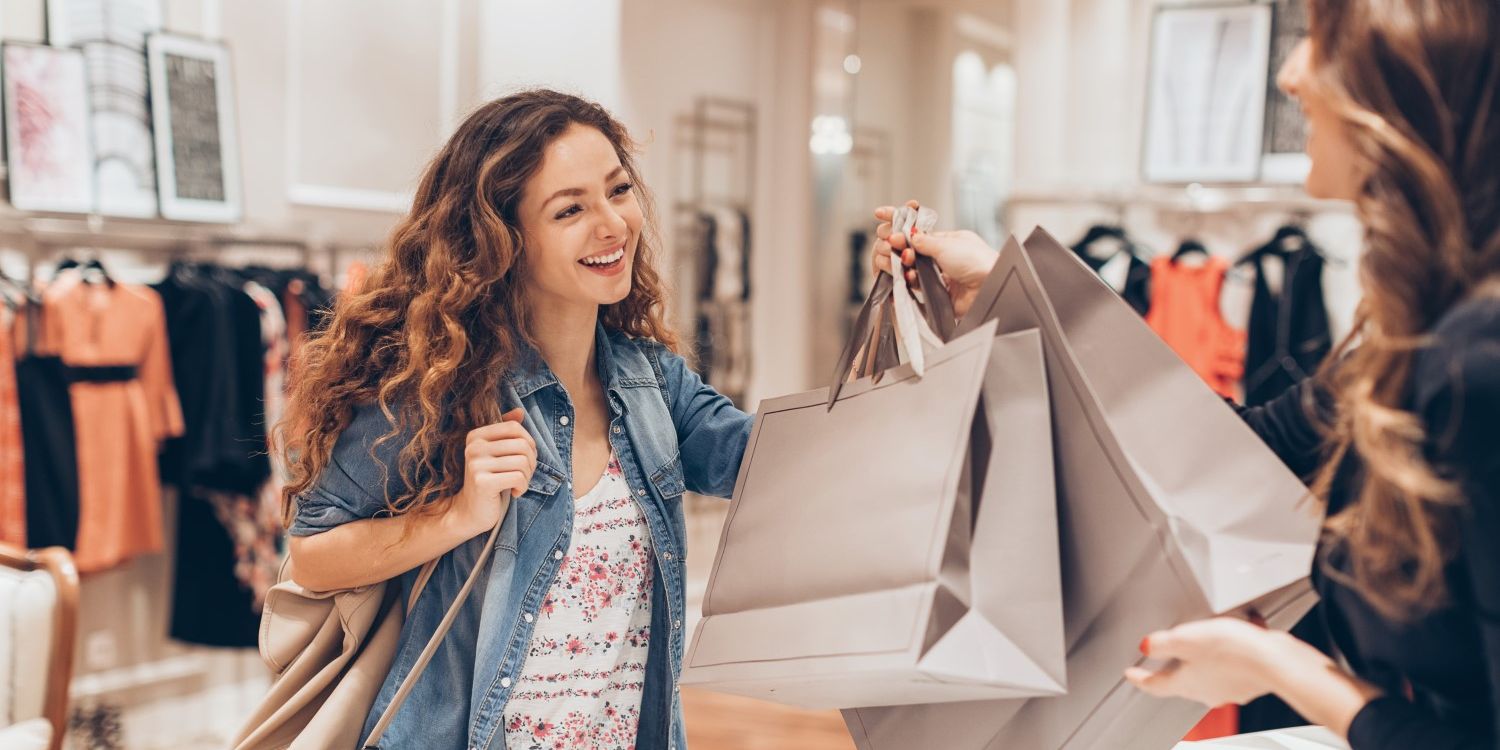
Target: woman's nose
(611, 225)
(1295, 70)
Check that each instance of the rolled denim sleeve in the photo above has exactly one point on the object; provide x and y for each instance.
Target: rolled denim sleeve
(360, 475)
(711, 431)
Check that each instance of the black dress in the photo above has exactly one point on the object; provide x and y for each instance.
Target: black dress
(47, 442)
(1448, 661)
(1289, 335)
(1137, 291)
(218, 361)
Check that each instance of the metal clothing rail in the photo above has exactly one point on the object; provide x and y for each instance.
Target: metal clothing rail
(1192, 199)
(37, 235)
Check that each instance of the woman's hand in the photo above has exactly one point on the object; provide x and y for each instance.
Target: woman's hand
(964, 258)
(1226, 660)
(1214, 662)
(498, 458)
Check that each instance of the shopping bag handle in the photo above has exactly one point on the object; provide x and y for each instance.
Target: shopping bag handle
(876, 337)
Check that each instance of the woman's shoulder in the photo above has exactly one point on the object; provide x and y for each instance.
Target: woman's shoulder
(1463, 345)
(1477, 317)
(639, 351)
(1456, 378)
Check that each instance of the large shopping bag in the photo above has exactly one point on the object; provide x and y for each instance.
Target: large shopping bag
(893, 539)
(1170, 510)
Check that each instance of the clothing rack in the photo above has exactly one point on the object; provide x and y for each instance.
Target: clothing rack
(716, 129)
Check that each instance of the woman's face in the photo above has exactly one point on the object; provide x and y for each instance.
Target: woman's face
(581, 223)
(1335, 172)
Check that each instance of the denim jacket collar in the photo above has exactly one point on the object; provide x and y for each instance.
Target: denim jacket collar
(619, 366)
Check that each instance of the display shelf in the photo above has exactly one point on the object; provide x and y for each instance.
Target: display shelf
(73, 230)
(1193, 198)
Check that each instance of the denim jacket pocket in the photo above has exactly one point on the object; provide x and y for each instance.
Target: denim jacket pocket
(668, 479)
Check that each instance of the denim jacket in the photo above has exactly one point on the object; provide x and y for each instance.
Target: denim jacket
(670, 432)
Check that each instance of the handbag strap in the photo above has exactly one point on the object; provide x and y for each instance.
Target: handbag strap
(373, 742)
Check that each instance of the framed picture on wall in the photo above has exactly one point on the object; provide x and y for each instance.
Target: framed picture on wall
(1206, 104)
(1285, 158)
(50, 165)
(193, 118)
(112, 36)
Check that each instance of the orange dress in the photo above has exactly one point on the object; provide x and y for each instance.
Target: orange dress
(1185, 313)
(12, 471)
(122, 410)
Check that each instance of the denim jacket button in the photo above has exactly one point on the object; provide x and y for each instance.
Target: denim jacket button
(618, 430)
(563, 420)
(557, 555)
(667, 554)
(505, 682)
(528, 617)
(641, 492)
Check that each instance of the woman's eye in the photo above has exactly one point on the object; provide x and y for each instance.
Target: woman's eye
(569, 211)
(622, 189)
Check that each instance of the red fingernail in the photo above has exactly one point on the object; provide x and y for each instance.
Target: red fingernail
(1146, 645)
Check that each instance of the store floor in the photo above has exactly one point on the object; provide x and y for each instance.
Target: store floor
(727, 722)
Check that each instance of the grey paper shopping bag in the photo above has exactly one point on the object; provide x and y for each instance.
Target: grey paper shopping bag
(1170, 510)
(896, 545)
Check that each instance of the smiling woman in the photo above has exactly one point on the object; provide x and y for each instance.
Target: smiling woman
(514, 342)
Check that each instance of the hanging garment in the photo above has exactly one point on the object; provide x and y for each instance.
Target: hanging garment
(210, 607)
(1124, 271)
(1185, 313)
(723, 323)
(48, 442)
(355, 277)
(12, 450)
(306, 305)
(112, 337)
(1289, 335)
(255, 525)
(215, 335)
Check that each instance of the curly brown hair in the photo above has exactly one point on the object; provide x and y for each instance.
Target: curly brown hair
(443, 314)
(1415, 82)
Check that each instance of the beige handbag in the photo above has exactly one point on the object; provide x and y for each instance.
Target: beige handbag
(330, 653)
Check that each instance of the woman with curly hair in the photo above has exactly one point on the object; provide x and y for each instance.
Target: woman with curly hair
(514, 340)
(1399, 432)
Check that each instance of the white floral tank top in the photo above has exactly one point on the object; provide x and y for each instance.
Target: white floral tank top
(581, 683)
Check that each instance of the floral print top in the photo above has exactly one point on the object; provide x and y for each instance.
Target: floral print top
(580, 686)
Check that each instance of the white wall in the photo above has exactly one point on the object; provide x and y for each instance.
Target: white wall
(1082, 68)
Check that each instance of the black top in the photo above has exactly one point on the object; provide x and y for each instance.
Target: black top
(1288, 336)
(1137, 291)
(218, 364)
(1448, 662)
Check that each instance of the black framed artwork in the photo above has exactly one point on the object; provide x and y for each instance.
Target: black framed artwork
(193, 117)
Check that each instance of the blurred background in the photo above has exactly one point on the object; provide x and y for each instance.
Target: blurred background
(193, 144)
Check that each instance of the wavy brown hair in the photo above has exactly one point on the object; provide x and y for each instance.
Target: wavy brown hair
(444, 314)
(1414, 81)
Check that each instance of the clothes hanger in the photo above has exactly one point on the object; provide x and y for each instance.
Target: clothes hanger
(94, 270)
(1188, 247)
(1289, 240)
(1099, 232)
